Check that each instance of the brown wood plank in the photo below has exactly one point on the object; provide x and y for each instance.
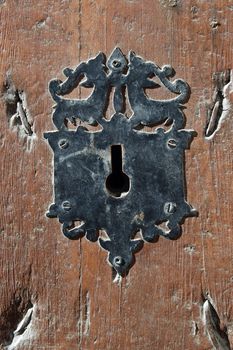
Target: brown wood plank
(159, 305)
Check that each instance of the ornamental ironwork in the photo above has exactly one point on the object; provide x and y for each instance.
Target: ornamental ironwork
(124, 174)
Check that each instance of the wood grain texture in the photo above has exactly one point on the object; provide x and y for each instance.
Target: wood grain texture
(76, 304)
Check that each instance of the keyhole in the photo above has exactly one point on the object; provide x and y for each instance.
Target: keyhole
(117, 182)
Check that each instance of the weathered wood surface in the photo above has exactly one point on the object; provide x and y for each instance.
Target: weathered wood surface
(159, 305)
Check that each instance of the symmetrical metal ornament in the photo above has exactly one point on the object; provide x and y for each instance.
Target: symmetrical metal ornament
(117, 175)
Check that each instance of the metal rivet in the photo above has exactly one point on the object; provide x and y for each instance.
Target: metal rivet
(66, 205)
(63, 143)
(171, 143)
(169, 208)
(119, 261)
(116, 63)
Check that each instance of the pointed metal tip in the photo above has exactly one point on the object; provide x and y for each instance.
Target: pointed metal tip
(117, 51)
(117, 54)
(131, 54)
(117, 60)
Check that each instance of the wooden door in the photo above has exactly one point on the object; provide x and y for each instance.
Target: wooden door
(178, 295)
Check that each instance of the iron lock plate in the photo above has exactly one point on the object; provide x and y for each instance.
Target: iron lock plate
(125, 174)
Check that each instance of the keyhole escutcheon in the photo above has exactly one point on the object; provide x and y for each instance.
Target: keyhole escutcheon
(117, 183)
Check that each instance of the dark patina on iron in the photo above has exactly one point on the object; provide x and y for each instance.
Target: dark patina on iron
(115, 175)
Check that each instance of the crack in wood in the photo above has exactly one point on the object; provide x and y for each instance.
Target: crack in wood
(218, 336)
(16, 108)
(15, 319)
(221, 105)
(18, 334)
